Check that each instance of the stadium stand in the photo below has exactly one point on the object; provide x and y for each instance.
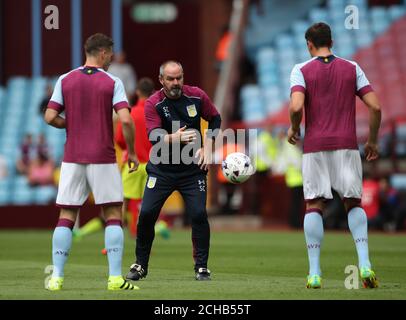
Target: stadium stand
(378, 46)
(19, 115)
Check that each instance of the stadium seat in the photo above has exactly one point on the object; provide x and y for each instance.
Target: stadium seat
(24, 95)
(318, 14)
(4, 197)
(335, 4)
(378, 52)
(45, 194)
(398, 181)
(284, 41)
(299, 28)
(22, 195)
(400, 147)
(252, 104)
(379, 20)
(21, 182)
(2, 98)
(363, 39)
(17, 83)
(396, 12)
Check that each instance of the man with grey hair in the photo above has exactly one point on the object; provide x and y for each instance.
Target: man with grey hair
(173, 117)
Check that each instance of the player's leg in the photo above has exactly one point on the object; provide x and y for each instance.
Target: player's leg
(194, 192)
(133, 209)
(134, 185)
(114, 244)
(157, 190)
(61, 245)
(316, 188)
(349, 185)
(358, 225)
(72, 193)
(113, 238)
(314, 234)
(131, 206)
(105, 183)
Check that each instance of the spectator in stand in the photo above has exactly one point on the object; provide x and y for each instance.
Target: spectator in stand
(42, 147)
(370, 197)
(125, 72)
(264, 158)
(388, 206)
(290, 157)
(41, 171)
(223, 47)
(3, 167)
(134, 183)
(400, 212)
(27, 151)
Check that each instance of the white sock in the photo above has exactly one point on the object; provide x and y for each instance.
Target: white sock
(358, 224)
(313, 229)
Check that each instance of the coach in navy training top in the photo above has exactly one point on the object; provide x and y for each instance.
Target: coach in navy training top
(162, 112)
(173, 117)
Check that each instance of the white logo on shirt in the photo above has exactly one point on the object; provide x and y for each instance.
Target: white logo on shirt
(166, 112)
(202, 185)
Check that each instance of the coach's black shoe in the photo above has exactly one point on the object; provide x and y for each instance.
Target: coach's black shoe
(203, 274)
(136, 272)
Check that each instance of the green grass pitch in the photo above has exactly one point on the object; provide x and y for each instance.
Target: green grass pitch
(245, 265)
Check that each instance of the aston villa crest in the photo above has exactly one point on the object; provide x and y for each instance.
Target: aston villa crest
(151, 182)
(191, 110)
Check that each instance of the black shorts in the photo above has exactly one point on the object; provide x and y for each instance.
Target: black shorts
(192, 185)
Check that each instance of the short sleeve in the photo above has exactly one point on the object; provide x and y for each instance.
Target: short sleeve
(363, 85)
(297, 82)
(56, 102)
(119, 97)
(208, 109)
(152, 118)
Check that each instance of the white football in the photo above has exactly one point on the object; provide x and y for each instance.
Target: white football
(237, 167)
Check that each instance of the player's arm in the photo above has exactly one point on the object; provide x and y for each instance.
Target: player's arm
(296, 106)
(55, 107)
(120, 105)
(210, 114)
(156, 133)
(53, 118)
(371, 147)
(128, 133)
(368, 96)
(181, 135)
(297, 99)
(205, 154)
(119, 137)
